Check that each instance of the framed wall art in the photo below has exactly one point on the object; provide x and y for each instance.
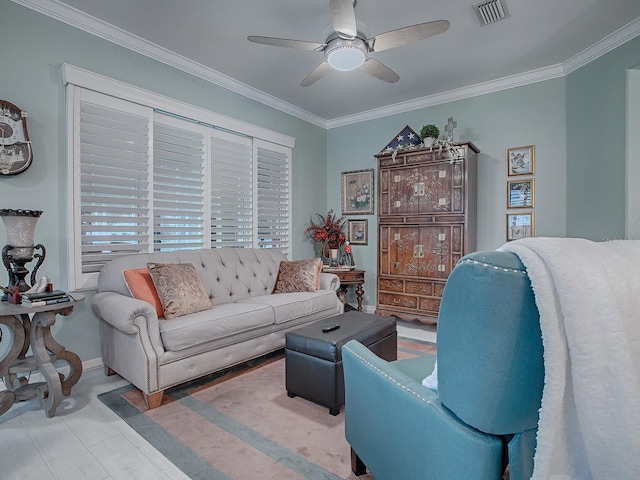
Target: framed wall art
(520, 160)
(519, 225)
(357, 192)
(357, 232)
(520, 193)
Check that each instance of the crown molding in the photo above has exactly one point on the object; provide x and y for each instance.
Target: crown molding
(89, 24)
(608, 43)
(75, 18)
(492, 86)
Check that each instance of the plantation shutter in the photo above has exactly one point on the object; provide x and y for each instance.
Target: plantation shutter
(111, 145)
(147, 173)
(231, 191)
(273, 192)
(178, 184)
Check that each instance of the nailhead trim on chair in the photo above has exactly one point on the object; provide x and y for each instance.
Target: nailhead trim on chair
(425, 400)
(488, 265)
(404, 387)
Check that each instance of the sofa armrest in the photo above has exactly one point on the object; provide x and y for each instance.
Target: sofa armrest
(329, 281)
(130, 338)
(399, 428)
(122, 311)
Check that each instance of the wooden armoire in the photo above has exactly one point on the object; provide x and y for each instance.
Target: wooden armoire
(426, 223)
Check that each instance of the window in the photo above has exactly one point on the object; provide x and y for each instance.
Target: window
(231, 191)
(273, 196)
(179, 184)
(111, 181)
(146, 179)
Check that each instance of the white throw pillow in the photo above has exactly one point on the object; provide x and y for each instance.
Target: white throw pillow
(431, 382)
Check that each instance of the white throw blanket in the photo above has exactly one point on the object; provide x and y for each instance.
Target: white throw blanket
(588, 295)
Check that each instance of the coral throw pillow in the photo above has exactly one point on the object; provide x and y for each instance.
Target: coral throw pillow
(298, 276)
(180, 289)
(141, 287)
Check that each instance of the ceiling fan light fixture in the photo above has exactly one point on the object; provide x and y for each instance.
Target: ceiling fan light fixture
(348, 45)
(346, 57)
(344, 54)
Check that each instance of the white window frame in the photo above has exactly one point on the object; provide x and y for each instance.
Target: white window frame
(75, 79)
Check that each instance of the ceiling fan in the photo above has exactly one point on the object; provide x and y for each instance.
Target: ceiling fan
(347, 48)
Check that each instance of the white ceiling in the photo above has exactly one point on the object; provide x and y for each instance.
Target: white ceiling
(540, 39)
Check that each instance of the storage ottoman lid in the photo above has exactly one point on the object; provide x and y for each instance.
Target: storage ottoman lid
(363, 327)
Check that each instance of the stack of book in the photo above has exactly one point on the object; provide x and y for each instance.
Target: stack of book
(44, 298)
(339, 268)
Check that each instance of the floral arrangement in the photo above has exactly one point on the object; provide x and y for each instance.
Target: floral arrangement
(327, 230)
(360, 196)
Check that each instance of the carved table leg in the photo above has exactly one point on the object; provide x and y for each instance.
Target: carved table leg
(359, 293)
(49, 395)
(7, 399)
(75, 364)
(12, 333)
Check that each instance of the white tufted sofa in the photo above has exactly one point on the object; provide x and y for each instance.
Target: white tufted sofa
(246, 321)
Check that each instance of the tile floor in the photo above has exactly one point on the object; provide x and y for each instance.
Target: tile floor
(86, 440)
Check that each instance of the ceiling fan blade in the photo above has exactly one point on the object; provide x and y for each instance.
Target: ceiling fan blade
(285, 42)
(316, 74)
(402, 36)
(343, 17)
(379, 70)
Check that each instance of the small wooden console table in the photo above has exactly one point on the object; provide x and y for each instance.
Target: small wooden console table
(347, 278)
(31, 326)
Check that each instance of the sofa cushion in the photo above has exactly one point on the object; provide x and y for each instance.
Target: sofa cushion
(290, 306)
(221, 321)
(179, 288)
(141, 287)
(298, 276)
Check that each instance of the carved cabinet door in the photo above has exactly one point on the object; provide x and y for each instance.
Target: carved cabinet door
(425, 251)
(422, 189)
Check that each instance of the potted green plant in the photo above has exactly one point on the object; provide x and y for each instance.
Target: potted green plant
(429, 134)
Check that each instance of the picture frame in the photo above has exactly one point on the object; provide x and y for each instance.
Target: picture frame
(519, 225)
(358, 232)
(520, 193)
(520, 161)
(357, 192)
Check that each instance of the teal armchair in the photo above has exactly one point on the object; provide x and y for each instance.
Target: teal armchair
(484, 414)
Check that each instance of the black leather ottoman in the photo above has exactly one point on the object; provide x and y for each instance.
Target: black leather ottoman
(314, 358)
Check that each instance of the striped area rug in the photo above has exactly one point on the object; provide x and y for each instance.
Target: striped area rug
(240, 425)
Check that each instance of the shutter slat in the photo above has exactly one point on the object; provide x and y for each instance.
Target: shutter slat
(178, 194)
(273, 200)
(113, 152)
(231, 191)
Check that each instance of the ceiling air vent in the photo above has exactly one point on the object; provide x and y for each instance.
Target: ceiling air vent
(491, 11)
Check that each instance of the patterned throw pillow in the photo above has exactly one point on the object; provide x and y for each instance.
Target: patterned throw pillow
(180, 289)
(298, 276)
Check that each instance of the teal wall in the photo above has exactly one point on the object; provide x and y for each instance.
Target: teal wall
(30, 77)
(596, 131)
(529, 115)
(576, 124)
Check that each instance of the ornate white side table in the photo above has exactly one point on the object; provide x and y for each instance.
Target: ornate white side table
(31, 326)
